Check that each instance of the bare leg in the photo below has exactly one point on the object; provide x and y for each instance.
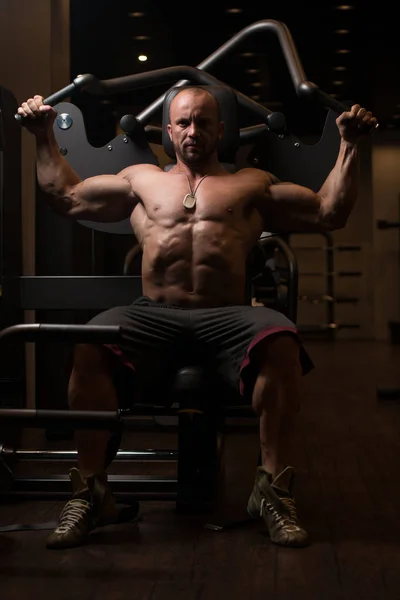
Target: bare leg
(276, 398)
(91, 388)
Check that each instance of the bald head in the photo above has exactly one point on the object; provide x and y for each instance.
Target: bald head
(205, 97)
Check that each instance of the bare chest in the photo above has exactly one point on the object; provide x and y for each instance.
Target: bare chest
(207, 200)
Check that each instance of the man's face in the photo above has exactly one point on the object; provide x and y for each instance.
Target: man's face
(194, 128)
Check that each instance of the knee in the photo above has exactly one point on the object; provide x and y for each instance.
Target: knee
(89, 360)
(279, 381)
(280, 354)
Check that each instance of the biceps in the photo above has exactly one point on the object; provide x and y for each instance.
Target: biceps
(103, 198)
(293, 207)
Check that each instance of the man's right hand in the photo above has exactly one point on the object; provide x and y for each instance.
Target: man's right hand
(37, 118)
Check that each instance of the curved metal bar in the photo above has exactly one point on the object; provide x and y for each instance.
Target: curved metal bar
(285, 39)
(309, 91)
(81, 82)
(165, 75)
(105, 87)
(303, 88)
(287, 44)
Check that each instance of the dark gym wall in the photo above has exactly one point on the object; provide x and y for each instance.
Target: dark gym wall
(12, 356)
(34, 59)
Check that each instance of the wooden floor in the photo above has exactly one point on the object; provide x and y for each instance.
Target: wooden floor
(346, 451)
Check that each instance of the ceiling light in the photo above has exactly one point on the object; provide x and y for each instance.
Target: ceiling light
(344, 7)
(142, 37)
(247, 54)
(343, 51)
(142, 57)
(234, 11)
(342, 31)
(136, 14)
(340, 68)
(338, 82)
(256, 97)
(252, 70)
(256, 84)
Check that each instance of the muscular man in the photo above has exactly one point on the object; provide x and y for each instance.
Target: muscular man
(196, 225)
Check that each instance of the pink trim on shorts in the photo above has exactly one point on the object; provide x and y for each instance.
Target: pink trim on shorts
(117, 350)
(256, 340)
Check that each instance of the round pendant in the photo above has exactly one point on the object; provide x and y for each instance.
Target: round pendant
(189, 201)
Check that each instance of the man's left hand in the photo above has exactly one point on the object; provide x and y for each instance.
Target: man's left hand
(356, 123)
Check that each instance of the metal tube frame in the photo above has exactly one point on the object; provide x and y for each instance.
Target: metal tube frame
(31, 455)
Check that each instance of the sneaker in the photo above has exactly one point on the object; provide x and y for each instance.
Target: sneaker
(272, 501)
(92, 504)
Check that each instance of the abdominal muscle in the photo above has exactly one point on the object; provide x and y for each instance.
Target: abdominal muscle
(196, 266)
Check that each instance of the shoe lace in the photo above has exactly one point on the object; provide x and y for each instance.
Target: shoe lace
(281, 520)
(290, 504)
(73, 512)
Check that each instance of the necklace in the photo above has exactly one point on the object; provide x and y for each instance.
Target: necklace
(190, 199)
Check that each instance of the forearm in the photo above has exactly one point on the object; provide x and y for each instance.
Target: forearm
(54, 174)
(339, 192)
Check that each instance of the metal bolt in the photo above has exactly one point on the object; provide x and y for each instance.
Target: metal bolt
(63, 151)
(125, 139)
(296, 145)
(255, 161)
(109, 147)
(64, 121)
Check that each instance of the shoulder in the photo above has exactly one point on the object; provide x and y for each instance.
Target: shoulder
(258, 175)
(138, 178)
(134, 171)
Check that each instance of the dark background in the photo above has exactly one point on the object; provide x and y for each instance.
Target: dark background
(107, 37)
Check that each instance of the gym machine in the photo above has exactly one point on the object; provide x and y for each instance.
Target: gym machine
(201, 403)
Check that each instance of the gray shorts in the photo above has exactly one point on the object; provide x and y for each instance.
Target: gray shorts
(158, 339)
